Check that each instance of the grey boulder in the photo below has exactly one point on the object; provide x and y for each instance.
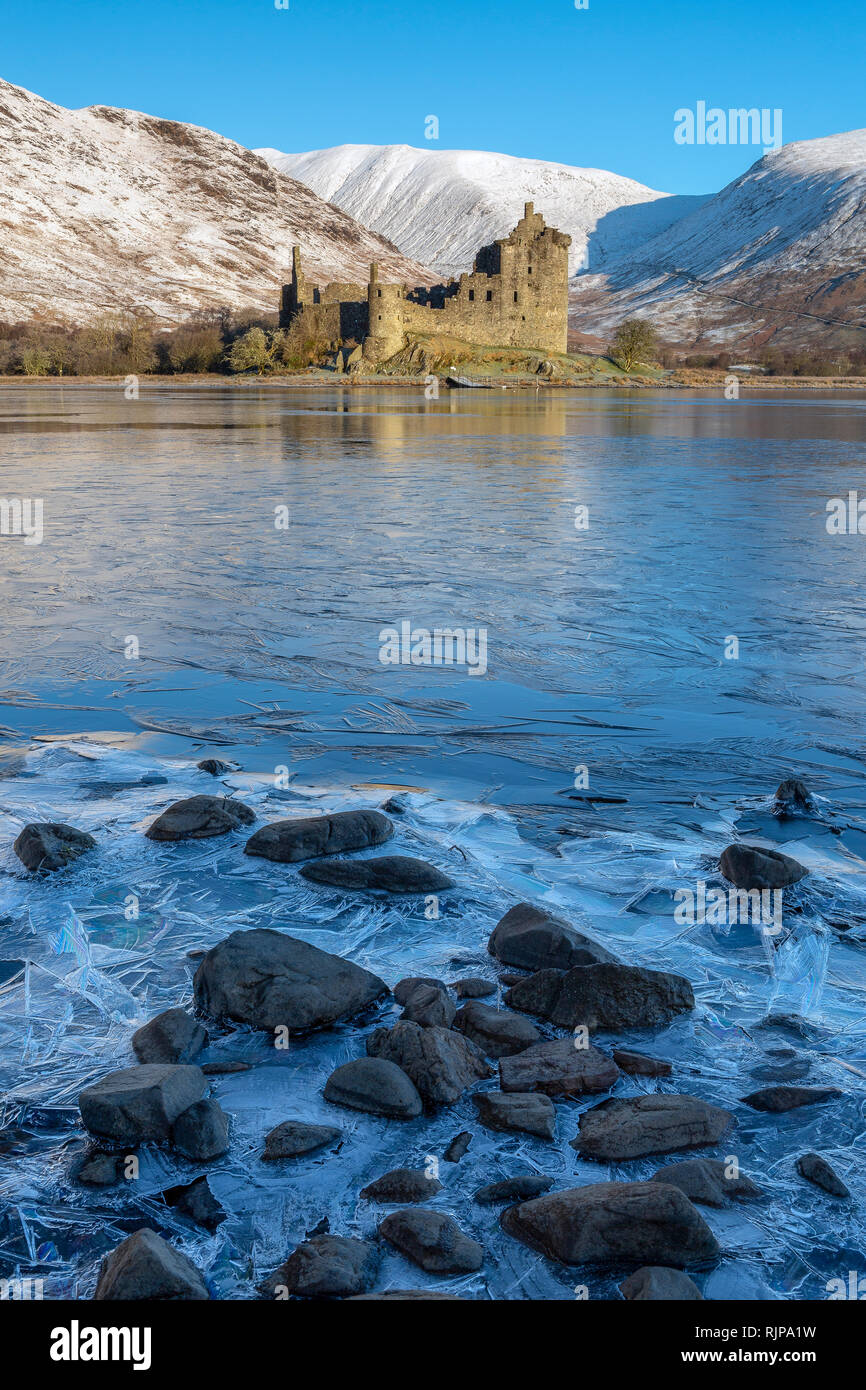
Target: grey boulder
(636, 1064)
(706, 1180)
(620, 1129)
(524, 1111)
(270, 980)
(402, 1185)
(51, 845)
(534, 939)
(200, 818)
(441, 1063)
(432, 1240)
(656, 1284)
(496, 1031)
(614, 1223)
(326, 1266)
(288, 841)
(558, 1068)
(293, 1138)
(144, 1266)
(747, 866)
(375, 1085)
(196, 1202)
(140, 1103)
(609, 997)
(817, 1170)
(202, 1131)
(510, 1190)
(99, 1169)
(391, 873)
(173, 1036)
(405, 988)
(777, 1099)
(431, 1006)
(473, 987)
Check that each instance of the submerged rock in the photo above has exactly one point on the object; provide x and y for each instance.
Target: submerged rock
(326, 1266)
(140, 1103)
(558, 1069)
(521, 1189)
(200, 818)
(270, 980)
(215, 766)
(195, 1201)
(527, 1111)
(392, 873)
(636, 1064)
(288, 841)
(609, 997)
(144, 1266)
(441, 1063)
(99, 1169)
(706, 1180)
(402, 1185)
(51, 845)
(621, 1129)
(792, 796)
(748, 867)
(817, 1170)
(497, 1032)
(531, 937)
(618, 1223)
(173, 1036)
(202, 1131)
(457, 1147)
(655, 1283)
(432, 1240)
(293, 1138)
(778, 1099)
(375, 1085)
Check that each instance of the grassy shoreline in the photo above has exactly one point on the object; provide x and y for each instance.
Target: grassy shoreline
(677, 380)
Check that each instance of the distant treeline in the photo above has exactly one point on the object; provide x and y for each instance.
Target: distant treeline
(123, 344)
(781, 361)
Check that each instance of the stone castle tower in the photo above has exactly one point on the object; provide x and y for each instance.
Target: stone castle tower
(515, 296)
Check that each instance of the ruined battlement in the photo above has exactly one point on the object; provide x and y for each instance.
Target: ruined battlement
(516, 295)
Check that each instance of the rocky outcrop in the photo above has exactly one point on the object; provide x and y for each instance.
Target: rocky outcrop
(140, 1103)
(270, 980)
(525, 1111)
(200, 818)
(402, 1185)
(392, 873)
(534, 939)
(610, 997)
(289, 841)
(620, 1129)
(778, 1099)
(656, 1284)
(747, 866)
(172, 1037)
(432, 1240)
(706, 1180)
(497, 1032)
(293, 1138)
(375, 1085)
(614, 1223)
(144, 1266)
(559, 1068)
(326, 1266)
(440, 1062)
(817, 1170)
(51, 845)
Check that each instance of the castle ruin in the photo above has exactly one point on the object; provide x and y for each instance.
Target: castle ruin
(515, 296)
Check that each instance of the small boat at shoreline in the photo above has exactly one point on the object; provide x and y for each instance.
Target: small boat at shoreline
(469, 383)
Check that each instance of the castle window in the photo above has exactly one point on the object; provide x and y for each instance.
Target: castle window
(489, 296)
(530, 270)
(379, 294)
(471, 294)
(515, 296)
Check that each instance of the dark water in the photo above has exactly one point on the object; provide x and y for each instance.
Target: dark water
(608, 649)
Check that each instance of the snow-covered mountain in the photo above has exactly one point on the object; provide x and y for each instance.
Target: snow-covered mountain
(440, 206)
(110, 209)
(779, 254)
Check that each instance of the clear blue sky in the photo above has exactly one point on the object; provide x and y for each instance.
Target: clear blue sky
(593, 87)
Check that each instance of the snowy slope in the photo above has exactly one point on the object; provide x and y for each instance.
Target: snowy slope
(440, 206)
(109, 209)
(778, 253)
